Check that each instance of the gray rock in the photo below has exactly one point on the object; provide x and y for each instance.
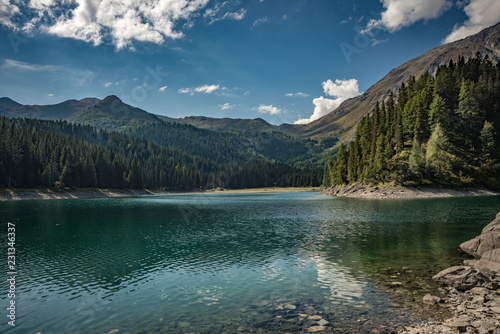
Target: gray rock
(489, 262)
(431, 299)
(485, 325)
(493, 226)
(323, 322)
(290, 328)
(461, 277)
(184, 324)
(479, 291)
(492, 285)
(461, 326)
(482, 243)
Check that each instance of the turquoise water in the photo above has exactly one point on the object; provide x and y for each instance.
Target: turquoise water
(229, 262)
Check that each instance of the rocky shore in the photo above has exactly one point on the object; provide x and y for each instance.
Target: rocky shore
(470, 291)
(361, 190)
(16, 195)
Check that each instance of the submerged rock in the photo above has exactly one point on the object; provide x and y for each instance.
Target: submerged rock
(429, 299)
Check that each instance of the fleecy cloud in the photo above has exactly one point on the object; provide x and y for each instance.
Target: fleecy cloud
(481, 14)
(403, 13)
(269, 109)
(298, 94)
(93, 21)
(341, 89)
(207, 89)
(226, 106)
(80, 77)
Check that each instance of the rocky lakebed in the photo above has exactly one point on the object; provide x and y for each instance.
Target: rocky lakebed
(471, 291)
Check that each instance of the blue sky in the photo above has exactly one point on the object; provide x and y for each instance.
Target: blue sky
(282, 60)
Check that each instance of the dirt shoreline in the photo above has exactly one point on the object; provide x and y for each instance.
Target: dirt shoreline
(359, 190)
(46, 194)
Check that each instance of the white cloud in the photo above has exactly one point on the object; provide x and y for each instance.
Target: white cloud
(259, 21)
(481, 14)
(80, 77)
(185, 91)
(9, 63)
(379, 41)
(7, 12)
(270, 109)
(224, 11)
(341, 89)
(226, 106)
(207, 89)
(238, 16)
(299, 94)
(107, 84)
(117, 21)
(403, 13)
(50, 94)
(322, 107)
(162, 89)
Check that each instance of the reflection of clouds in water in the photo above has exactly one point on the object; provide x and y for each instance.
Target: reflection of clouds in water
(272, 270)
(210, 296)
(342, 286)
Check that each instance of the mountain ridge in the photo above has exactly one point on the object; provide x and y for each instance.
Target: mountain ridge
(9, 103)
(66, 110)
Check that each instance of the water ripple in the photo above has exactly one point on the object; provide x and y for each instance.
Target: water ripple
(218, 262)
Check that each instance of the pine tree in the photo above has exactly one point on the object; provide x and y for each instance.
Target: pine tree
(352, 163)
(437, 113)
(417, 159)
(340, 166)
(488, 144)
(438, 160)
(471, 116)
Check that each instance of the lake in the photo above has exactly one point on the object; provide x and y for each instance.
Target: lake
(214, 263)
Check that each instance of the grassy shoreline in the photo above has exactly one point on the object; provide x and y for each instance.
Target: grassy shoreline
(9, 194)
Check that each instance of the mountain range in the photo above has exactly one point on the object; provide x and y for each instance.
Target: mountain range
(111, 113)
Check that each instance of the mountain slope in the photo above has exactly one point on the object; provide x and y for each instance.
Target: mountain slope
(66, 110)
(112, 114)
(342, 121)
(9, 103)
(253, 126)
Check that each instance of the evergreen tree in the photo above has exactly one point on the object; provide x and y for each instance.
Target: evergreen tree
(488, 144)
(438, 160)
(471, 116)
(340, 166)
(417, 159)
(437, 113)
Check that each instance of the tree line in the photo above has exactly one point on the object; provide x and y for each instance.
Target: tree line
(439, 130)
(38, 153)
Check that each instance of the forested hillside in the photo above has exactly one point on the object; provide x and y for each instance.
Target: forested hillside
(442, 130)
(59, 154)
